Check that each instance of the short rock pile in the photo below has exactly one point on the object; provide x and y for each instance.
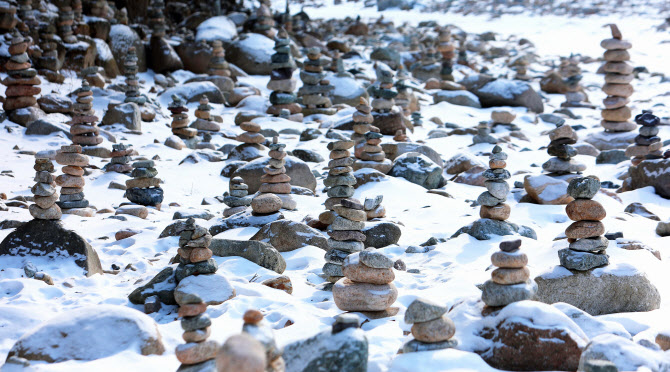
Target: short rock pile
(144, 188)
(560, 147)
(255, 327)
(586, 234)
(373, 155)
(264, 22)
(339, 169)
(492, 201)
(218, 66)
(179, 115)
(251, 135)
(237, 199)
(194, 244)
(368, 283)
(204, 121)
(618, 76)
(432, 329)
(198, 353)
(484, 134)
(65, 22)
(282, 83)
(373, 207)
(44, 191)
(647, 144)
(575, 96)
(120, 162)
(388, 118)
(130, 70)
(84, 130)
(315, 88)
(72, 181)
(510, 281)
(362, 120)
(275, 180)
(22, 80)
(345, 236)
(48, 63)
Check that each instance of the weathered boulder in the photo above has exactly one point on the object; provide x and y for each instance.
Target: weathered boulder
(343, 351)
(485, 229)
(121, 38)
(494, 92)
(194, 91)
(260, 253)
(418, 169)
(457, 97)
(127, 114)
(625, 354)
(286, 236)
(252, 52)
(543, 189)
(380, 234)
(654, 173)
(161, 285)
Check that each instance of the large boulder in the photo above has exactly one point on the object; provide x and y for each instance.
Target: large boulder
(325, 351)
(243, 219)
(193, 92)
(121, 38)
(347, 90)
(485, 229)
(52, 103)
(457, 97)
(610, 140)
(252, 52)
(162, 56)
(654, 173)
(213, 289)
(224, 83)
(611, 289)
(297, 169)
(260, 253)
(462, 162)
(543, 189)
(195, 56)
(161, 285)
(49, 124)
(49, 238)
(216, 28)
(126, 114)
(418, 169)
(393, 150)
(105, 58)
(90, 333)
(494, 92)
(625, 354)
(286, 236)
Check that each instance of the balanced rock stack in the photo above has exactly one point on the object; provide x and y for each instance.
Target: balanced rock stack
(575, 96)
(275, 180)
(194, 243)
(156, 19)
(562, 163)
(27, 17)
(618, 76)
(362, 120)
(144, 188)
(388, 118)
(368, 283)
(432, 329)
(217, 64)
(130, 70)
(374, 208)
(586, 234)
(22, 79)
(405, 98)
(255, 327)
(120, 162)
(282, 83)
(492, 201)
(49, 63)
(647, 144)
(237, 199)
(345, 236)
(484, 134)
(179, 115)
(447, 50)
(45, 207)
(72, 181)
(198, 353)
(264, 22)
(373, 155)
(339, 169)
(84, 130)
(400, 136)
(417, 119)
(65, 22)
(204, 121)
(510, 281)
(251, 136)
(315, 88)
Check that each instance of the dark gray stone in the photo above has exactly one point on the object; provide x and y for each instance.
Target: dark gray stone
(308, 156)
(611, 157)
(162, 285)
(260, 253)
(379, 234)
(494, 294)
(418, 169)
(243, 219)
(286, 236)
(343, 351)
(582, 261)
(151, 196)
(485, 229)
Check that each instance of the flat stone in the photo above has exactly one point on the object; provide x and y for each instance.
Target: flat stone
(352, 296)
(494, 294)
(423, 310)
(582, 261)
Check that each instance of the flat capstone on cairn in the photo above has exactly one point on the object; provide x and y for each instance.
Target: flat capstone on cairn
(492, 201)
(282, 83)
(204, 121)
(48, 63)
(44, 191)
(120, 162)
(562, 163)
(144, 188)
(510, 281)
(618, 76)
(387, 117)
(316, 89)
(368, 284)
(179, 115)
(362, 120)
(345, 236)
(275, 180)
(83, 127)
(255, 327)
(21, 81)
(72, 181)
(432, 329)
(647, 144)
(238, 198)
(370, 154)
(339, 169)
(575, 95)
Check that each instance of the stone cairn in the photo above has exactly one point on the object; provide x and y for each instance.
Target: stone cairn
(84, 130)
(492, 201)
(417, 119)
(447, 50)
(217, 64)
(132, 81)
(264, 22)
(562, 163)
(27, 17)
(373, 155)
(484, 134)
(362, 120)
(586, 235)
(144, 188)
(204, 121)
(120, 162)
(618, 75)
(383, 101)
(275, 180)
(45, 207)
(510, 281)
(179, 115)
(400, 136)
(22, 79)
(100, 8)
(339, 168)
(237, 200)
(251, 137)
(48, 63)
(282, 83)
(432, 329)
(345, 236)
(315, 88)
(373, 207)
(156, 19)
(502, 117)
(405, 99)
(575, 96)
(368, 283)
(65, 22)
(255, 327)
(72, 181)
(647, 144)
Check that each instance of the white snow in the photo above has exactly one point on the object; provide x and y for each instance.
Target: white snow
(216, 28)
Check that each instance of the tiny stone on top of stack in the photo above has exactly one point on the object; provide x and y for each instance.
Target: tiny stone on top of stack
(144, 188)
(374, 208)
(363, 120)
(492, 201)
(44, 191)
(510, 281)
(237, 199)
(562, 137)
(345, 235)
(647, 143)
(432, 329)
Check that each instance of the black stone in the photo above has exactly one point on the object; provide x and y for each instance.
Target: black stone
(562, 151)
(73, 204)
(162, 285)
(205, 267)
(646, 141)
(151, 196)
(510, 245)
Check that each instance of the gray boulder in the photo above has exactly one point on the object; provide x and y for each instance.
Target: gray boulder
(260, 253)
(49, 124)
(127, 114)
(286, 236)
(380, 234)
(252, 52)
(418, 169)
(624, 353)
(194, 91)
(494, 92)
(343, 351)
(121, 38)
(161, 285)
(485, 229)
(457, 97)
(347, 90)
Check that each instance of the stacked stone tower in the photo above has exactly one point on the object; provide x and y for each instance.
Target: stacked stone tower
(373, 155)
(510, 281)
(575, 96)
(447, 50)
(255, 327)
(339, 168)
(492, 201)
(559, 147)
(120, 162)
(218, 65)
(432, 329)
(618, 76)
(45, 207)
(65, 22)
(204, 121)
(275, 180)
(264, 22)
(315, 89)
(387, 117)
(647, 144)
(72, 180)
(345, 236)
(22, 80)
(132, 81)
(49, 63)
(84, 130)
(144, 188)
(362, 120)
(179, 115)
(156, 18)
(282, 84)
(237, 199)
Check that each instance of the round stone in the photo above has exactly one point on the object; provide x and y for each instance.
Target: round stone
(351, 296)
(197, 352)
(510, 245)
(583, 187)
(436, 330)
(357, 272)
(499, 212)
(488, 200)
(506, 260)
(252, 316)
(344, 235)
(266, 203)
(423, 310)
(342, 223)
(596, 244)
(510, 276)
(585, 229)
(585, 209)
(372, 258)
(350, 214)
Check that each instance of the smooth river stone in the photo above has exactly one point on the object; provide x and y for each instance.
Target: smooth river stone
(357, 272)
(585, 209)
(351, 296)
(436, 330)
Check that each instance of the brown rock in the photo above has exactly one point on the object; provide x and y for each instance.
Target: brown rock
(71, 158)
(65, 180)
(266, 203)
(499, 212)
(436, 330)
(619, 90)
(143, 182)
(198, 335)
(241, 353)
(252, 316)
(507, 260)
(14, 103)
(619, 114)
(360, 273)
(282, 283)
(200, 254)
(351, 296)
(350, 214)
(585, 229)
(192, 310)
(192, 352)
(510, 276)
(663, 340)
(275, 188)
(277, 178)
(344, 235)
(585, 209)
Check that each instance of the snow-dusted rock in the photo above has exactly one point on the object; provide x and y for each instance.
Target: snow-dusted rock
(591, 325)
(252, 53)
(347, 90)
(485, 229)
(457, 97)
(126, 114)
(298, 170)
(419, 169)
(287, 236)
(216, 28)
(503, 92)
(343, 351)
(543, 189)
(193, 92)
(462, 162)
(260, 253)
(625, 354)
(121, 38)
(213, 289)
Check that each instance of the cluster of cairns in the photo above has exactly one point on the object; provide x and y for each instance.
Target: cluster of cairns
(618, 76)
(255, 327)
(367, 284)
(348, 220)
(510, 281)
(264, 23)
(647, 143)
(575, 96)
(492, 201)
(561, 138)
(383, 95)
(315, 89)
(194, 249)
(72, 182)
(432, 329)
(339, 168)
(237, 199)
(217, 64)
(156, 19)
(22, 79)
(369, 154)
(204, 121)
(132, 81)
(586, 235)
(179, 115)
(84, 130)
(282, 83)
(45, 207)
(48, 61)
(120, 162)
(363, 120)
(484, 134)
(144, 188)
